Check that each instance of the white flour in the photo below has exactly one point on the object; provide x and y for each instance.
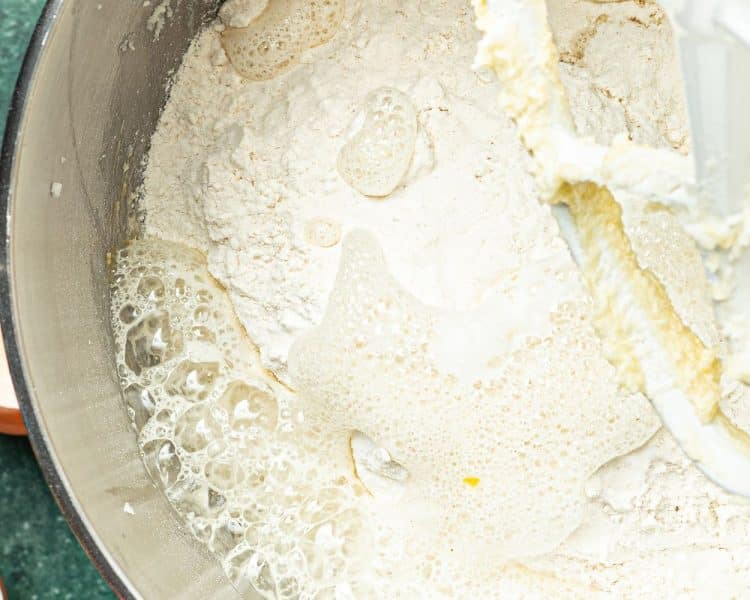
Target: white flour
(246, 172)
(249, 167)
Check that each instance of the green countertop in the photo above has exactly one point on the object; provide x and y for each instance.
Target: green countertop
(39, 557)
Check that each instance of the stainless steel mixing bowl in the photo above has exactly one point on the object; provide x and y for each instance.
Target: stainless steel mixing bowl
(88, 100)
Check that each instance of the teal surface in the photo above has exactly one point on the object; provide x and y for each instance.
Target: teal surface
(39, 557)
(17, 20)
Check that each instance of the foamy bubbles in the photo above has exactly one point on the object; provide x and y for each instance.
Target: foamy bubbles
(401, 478)
(151, 342)
(376, 159)
(497, 465)
(277, 504)
(275, 39)
(407, 484)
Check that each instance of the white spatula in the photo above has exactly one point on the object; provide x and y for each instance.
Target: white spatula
(713, 38)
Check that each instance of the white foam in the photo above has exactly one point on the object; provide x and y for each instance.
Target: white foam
(402, 477)
(222, 437)
(275, 39)
(399, 504)
(500, 463)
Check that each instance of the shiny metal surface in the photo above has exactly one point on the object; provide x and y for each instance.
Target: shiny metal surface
(88, 99)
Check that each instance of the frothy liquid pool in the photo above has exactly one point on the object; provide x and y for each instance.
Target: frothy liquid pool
(222, 437)
(289, 514)
(386, 474)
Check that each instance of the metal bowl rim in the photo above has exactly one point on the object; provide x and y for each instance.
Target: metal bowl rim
(57, 483)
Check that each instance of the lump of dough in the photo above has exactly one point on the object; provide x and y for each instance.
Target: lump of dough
(498, 464)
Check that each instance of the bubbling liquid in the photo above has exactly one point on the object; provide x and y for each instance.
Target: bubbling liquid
(221, 437)
(419, 484)
(290, 509)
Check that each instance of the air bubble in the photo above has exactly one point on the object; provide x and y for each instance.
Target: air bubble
(190, 495)
(202, 314)
(128, 314)
(288, 588)
(250, 405)
(377, 157)
(225, 539)
(202, 334)
(151, 341)
(192, 380)
(196, 428)
(162, 461)
(323, 233)
(151, 288)
(378, 472)
(202, 529)
(250, 572)
(216, 501)
(223, 475)
(165, 416)
(141, 403)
